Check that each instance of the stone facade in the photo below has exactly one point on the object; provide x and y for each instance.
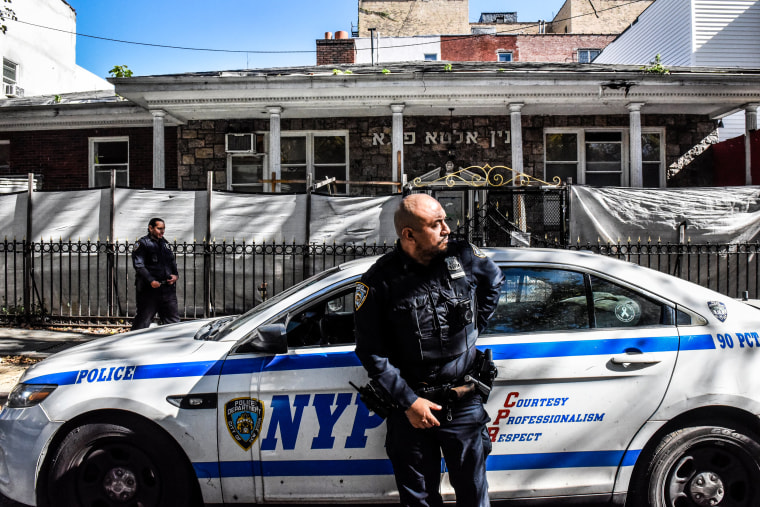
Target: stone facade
(399, 18)
(429, 143)
(597, 16)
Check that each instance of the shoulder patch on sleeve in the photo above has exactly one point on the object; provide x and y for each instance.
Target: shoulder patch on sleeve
(137, 245)
(477, 252)
(360, 295)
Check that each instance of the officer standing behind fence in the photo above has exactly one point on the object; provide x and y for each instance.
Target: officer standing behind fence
(155, 277)
(418, 312)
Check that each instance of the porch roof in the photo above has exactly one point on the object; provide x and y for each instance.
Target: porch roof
(432, 88)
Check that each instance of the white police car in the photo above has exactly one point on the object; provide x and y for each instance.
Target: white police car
(614, 381)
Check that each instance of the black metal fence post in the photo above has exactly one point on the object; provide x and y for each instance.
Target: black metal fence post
(28, 250)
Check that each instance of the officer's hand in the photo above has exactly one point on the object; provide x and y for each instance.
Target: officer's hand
(172, 279)
(155, 284)
(420, 413)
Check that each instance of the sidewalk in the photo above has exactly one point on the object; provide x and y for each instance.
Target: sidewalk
(21, 347)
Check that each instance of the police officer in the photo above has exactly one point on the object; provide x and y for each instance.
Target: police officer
(418, 312)
(155, 277)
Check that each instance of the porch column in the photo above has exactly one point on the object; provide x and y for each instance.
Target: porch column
(397, 138)
(159, 149)
(750, 124)
(275, 157)
(515, 125)
(637, 174)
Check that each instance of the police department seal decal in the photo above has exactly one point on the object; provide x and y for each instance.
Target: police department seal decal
(718, 309)
(244, 417)
(360, 295)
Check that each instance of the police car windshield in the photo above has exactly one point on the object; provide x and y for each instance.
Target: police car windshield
(243, 319)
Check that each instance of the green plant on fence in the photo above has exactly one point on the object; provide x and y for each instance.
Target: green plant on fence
(655, 66)
(447, 67)
(385, 71)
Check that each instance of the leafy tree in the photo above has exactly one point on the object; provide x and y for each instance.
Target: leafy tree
(6, 13)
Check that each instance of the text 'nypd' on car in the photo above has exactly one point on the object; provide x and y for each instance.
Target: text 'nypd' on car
(614, 382)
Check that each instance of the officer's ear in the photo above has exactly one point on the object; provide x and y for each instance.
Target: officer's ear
(407, 234)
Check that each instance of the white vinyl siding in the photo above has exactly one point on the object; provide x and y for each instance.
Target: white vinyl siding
(727, 33)
(664, 28)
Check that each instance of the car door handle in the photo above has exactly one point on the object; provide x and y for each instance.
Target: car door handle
(635, 359)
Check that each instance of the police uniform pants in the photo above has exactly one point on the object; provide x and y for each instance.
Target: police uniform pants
(150, 301)
(416, 455)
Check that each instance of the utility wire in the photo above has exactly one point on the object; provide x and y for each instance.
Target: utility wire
(448, 38)
(165, 46)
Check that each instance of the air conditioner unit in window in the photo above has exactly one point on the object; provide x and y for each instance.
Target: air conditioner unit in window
(240, 143)
(13, 90)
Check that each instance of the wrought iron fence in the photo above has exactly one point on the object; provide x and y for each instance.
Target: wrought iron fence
(92, 282)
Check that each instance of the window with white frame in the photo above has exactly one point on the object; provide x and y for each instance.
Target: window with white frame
(245, 171)
(504, 56)
(587, 55)
(318, 154)
(109, 154)
(599, 157)
(431, 57)
(10, 77)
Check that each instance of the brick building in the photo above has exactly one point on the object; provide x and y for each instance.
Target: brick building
(393, 31)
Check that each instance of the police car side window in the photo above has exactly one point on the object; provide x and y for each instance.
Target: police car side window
(540, 299)
(617, 306)
(328, 321)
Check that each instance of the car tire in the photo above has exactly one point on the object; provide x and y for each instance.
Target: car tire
(115, 464)
(701, 466)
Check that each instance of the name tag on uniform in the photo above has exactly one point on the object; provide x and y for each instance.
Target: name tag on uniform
(455, 268)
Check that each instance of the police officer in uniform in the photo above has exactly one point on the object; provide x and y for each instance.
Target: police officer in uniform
(155, 277)
(418, 312)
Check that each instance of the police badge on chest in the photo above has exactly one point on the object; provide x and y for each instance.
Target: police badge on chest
(454, 267)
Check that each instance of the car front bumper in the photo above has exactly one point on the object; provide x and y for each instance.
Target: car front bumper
(24, 437)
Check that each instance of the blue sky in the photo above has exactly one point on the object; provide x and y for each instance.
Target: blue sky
(237, 25)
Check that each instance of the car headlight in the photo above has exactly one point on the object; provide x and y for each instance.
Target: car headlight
(28, 395)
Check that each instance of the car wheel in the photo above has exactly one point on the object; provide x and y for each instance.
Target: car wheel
(703, 466)
(113, 464)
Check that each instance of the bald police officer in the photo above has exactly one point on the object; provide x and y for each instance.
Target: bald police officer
(155, 277)
(418, 312)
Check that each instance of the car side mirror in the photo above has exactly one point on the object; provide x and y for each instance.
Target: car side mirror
(269, 338)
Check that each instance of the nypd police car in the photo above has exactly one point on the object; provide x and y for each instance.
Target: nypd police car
(615, 383)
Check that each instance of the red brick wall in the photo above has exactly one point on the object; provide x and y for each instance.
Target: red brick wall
(525, 48)
(477, 48)
(61, 156)
(558, 47)
(335, 51)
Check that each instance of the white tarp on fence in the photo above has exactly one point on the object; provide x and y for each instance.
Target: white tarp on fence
(85, 215)
(714, 215)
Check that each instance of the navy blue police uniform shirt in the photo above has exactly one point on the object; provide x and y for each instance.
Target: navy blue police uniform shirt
(405, 336)
(153, 260)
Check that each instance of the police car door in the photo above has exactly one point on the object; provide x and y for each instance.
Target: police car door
(318, 442)
(583, 361)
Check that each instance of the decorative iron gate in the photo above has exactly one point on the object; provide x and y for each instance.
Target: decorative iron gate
(497, 206)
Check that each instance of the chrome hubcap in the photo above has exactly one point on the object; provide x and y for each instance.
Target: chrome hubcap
(120, 484)
(707, 489)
